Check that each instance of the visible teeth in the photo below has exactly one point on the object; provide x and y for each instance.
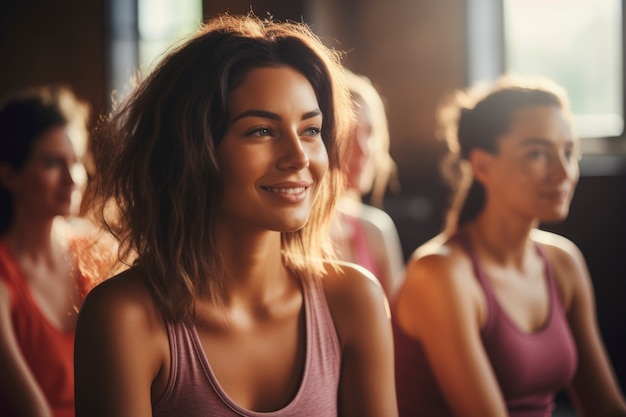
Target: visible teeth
(287, 190)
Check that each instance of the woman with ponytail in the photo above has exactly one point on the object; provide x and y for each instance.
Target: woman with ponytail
(495, 315)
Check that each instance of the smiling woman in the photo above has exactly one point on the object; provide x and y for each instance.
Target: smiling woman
(218, 175)
(276, 124)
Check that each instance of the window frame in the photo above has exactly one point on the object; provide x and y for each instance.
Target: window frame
(486, 61)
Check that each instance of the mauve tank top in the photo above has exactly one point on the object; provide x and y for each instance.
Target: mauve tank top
(363, 253)
(193, 390)
(530, 367)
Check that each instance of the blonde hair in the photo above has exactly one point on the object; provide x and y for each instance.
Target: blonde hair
(363, 92)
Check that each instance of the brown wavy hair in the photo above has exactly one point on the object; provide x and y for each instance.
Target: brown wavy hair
(158, 181)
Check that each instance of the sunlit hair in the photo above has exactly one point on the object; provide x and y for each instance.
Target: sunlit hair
(364, 93)
(158, 181)
(476, 118)
(25, 116)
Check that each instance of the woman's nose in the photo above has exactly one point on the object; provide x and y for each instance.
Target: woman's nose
(564, 167)
(293, 154)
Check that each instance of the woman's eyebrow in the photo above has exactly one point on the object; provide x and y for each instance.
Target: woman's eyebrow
(540, 141)
(273, 116)
(311, 114)
(258, 113)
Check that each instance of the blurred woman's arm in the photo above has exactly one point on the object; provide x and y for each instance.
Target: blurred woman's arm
(594, 390)
(440, 305)
(18, 386)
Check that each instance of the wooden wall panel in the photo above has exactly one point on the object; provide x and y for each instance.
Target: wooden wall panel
(44, 41)
(278, 9)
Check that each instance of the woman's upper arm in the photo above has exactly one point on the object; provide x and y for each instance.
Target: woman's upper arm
(116, 357)
(361, 315)
(17, 383)
(440, 306)
(594, 389)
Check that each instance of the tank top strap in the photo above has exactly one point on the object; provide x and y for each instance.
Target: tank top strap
(555, 298)
(492, 304)
(321, 333)
(478, 271)
(193, 388)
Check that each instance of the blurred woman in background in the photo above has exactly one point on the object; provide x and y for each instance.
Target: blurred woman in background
(495, 315)
(364, 233)
(41, 287)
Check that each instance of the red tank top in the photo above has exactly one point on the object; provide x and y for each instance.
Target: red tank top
(193, 390)
(530, 368)
(48, 351)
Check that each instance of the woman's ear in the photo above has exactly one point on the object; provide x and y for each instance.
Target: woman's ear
(481, 162)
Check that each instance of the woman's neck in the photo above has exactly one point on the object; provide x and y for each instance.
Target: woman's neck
(253, 263)
(506, 240)
(32, 239)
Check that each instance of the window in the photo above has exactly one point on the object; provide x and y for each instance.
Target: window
(162, 24)
(578, 43)
(140, 31)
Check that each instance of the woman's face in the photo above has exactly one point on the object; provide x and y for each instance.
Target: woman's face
(360, 162)
(43, 187)
(535, 171)
(272, 156)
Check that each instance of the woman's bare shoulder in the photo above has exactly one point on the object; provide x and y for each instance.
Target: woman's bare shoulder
(565, 256)
(125, 285)
(439, 254)
(568, 263)
(122, 298)
(373, 217)
(555, 245)
(440, 285)
(356, 301)
(347, 279)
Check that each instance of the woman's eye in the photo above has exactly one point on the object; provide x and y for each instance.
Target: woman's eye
(313, 131)
(572, 154)
(53, 162)
(536, 153)
(260, 132)
(568, 154)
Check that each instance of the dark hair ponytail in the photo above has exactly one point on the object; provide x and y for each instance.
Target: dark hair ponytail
(476, 119)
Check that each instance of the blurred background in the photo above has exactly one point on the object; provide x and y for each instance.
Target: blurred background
(415, 52)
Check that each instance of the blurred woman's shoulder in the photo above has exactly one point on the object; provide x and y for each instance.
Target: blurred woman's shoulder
(567, 262)
(95, 251)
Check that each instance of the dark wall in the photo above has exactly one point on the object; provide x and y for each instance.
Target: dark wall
(277, 9)
(44, 41)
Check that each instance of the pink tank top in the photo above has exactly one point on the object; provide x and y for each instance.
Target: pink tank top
(530, 368)
(193, 390)
(363, 253)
